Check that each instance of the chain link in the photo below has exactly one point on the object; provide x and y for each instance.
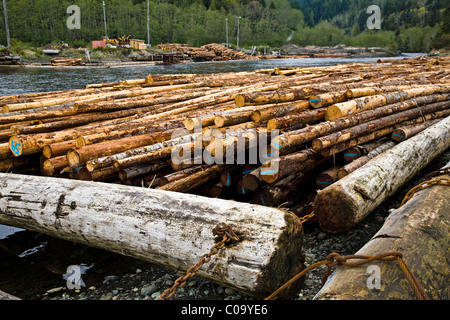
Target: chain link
(221, 230)
(425, 185)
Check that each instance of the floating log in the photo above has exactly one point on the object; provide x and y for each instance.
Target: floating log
(133, 221)
(419, 231)
(344, 204)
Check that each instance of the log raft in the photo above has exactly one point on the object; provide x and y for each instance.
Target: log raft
(124, 132)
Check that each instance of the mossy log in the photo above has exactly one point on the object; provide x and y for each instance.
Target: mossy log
(418, 230)
(171, 229)
(347, 202)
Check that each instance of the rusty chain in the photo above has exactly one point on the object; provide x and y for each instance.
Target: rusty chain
(221, 230)
(425, 185)
(336, 259)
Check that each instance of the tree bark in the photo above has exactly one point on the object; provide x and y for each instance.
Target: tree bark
(157, 226)
(341, 206)
(419, 230)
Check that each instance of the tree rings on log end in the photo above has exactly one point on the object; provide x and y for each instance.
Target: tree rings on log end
(256, 116)
(333, 113)
(239, 100)
(334, 210)
(73, 158)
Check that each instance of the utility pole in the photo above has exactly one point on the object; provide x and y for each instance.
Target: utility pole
(148, 24)
(226, 22)
(104, 17)
(237, 47)
(8, 38)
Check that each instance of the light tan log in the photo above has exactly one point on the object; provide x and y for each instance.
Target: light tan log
(343, 109)
(171, 229)
(344, 204)
(418, 230)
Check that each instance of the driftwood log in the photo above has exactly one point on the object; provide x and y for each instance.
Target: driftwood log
(418, 230)
(345, 203)
(167, 228)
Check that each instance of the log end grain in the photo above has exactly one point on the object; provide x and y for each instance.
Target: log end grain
(219, 121)
(47, 152)
(315, 102)
(239, 100)
(334, 210)
(399, 135)
(256, 116)
(73, 158)
(333, 113)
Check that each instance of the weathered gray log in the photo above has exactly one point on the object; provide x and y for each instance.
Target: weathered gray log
(5, 296)
(419, 230)
(168, 228)
(341, 206)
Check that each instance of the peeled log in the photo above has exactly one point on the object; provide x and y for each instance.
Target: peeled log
(341, 206)
(171, 229)
(419, 230)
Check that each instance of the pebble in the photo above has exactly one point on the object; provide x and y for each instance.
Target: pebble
(110, 279)
(149, 290)
(54, 290)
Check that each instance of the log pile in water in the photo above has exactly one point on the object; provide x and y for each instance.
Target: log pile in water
(66, 62)
(271, 137)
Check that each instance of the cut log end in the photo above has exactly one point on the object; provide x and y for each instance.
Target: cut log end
(192, 123)
(334, 210)
(80, 142)
(15, 145)
(256, 116)
(315, 102)
(219, 121)
(47, 152)
(239, 100)
(333, 113)
(73, 158)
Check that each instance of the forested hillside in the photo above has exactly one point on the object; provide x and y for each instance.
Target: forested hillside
(407, 25)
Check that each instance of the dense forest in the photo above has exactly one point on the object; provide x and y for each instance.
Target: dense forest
(407, 25)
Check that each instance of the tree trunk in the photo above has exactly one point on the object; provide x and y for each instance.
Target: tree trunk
(404, 133)
(298, 137)
(171, 229)
(419, 230)
(344, 109)
(367, 127)
(344, 204)
(358, 163)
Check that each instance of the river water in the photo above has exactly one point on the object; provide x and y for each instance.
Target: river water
(41, 79)
(31, 263)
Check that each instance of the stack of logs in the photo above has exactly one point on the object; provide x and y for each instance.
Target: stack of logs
(331, 121)
(209, 52)
(67, 62)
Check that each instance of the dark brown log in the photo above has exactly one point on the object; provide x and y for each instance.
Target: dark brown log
(78, 157)
(195, 180)
(328, 177)
(297, 121)
(404, 133)
(356, 152)
(350, 133)
(358, 163)
(298, 137)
